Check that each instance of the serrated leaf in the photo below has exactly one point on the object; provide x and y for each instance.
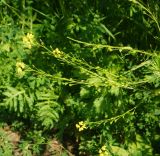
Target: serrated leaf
(29, 101)
(21, 103)
(8, 94)
(15, 103)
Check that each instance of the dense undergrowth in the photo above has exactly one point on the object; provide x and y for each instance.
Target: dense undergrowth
(80, 77)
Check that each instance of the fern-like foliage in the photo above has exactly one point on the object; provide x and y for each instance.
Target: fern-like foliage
(18, 100)
(43, 102)
(48, 108)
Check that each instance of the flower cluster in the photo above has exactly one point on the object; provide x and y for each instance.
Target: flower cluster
(81, 126)
(20, 69)
(28, 40)
(57, 53)
(103, 151)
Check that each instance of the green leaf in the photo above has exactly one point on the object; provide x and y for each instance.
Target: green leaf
(98, 104)
(107, 31)
(119, 151)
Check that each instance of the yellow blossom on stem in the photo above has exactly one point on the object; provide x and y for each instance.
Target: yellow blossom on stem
(57, 53)
(81, 126)
(103, 148)
(103, 151)
(28, 40)
(20, 66)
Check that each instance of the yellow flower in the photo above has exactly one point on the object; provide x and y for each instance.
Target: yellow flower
(30, 36)
(81, 123)
(57, 53)
(20, 69)
(81, 126)
(28, 40)
(20, 65)
(103, 151)
(103, 148)
(104, 154)
(77, 126)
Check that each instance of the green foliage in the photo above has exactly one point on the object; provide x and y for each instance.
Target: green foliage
(47, 108)
(63, 62)
(18, 100)
(6, 148)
